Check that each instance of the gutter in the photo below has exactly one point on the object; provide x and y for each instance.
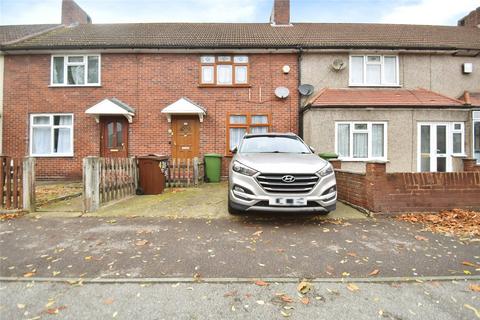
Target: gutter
(388, 107)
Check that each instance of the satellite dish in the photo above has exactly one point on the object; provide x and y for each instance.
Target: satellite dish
(338, 65)
(305, 89)
(282, 92)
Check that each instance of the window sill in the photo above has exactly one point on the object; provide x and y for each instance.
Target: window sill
(363, 159)
(52, 156)
(75, 86)
(375, 85)
(224, 86)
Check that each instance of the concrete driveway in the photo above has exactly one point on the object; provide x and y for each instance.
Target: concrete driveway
(206, 202)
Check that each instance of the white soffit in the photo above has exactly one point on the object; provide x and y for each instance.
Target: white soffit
(112, 107)
(184, 106)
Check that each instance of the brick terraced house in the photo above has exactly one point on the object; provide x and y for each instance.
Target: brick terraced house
(187, 89)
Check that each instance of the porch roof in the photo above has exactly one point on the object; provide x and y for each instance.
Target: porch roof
(184, 106)
(111, 106)
(359, 97)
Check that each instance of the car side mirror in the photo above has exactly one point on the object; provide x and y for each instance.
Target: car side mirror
(235, 150)
(312, 149)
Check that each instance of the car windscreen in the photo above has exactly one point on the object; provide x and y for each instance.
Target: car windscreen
(273, 144)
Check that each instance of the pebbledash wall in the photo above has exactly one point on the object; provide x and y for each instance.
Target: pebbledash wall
(377, 191)
(148, 83)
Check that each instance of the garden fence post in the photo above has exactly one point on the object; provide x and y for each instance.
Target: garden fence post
(28, 184)
(91, 184)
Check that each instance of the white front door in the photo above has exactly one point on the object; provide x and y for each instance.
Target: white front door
(437, 142)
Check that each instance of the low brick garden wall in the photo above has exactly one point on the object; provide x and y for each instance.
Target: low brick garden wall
(377, 191)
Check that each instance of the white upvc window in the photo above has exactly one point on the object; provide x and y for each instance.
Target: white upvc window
(361, 140)
(51, 135)
(75, 70)
(224, 70)
(476, 135)
(374, 70)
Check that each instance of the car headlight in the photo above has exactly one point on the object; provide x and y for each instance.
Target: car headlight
(243, 169)
(325, 171)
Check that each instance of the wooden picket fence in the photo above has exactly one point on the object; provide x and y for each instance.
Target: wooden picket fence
(118, 178)
(183, 173)
(11, 182)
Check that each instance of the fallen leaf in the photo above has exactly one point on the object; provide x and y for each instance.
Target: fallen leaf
(29, 274)
(260, 302)
(286, 298)
(141, 242)
(305, 300)
(55, 310)
(345, 274)
(352, 287)
(421, 238)
(477, 313)
(285, 314)
(475, 287)
(21, 306)
(108, 301)
(261, 283)
(257, 233)
(304, 286)
(470, 264)
(50, 303)
(374, 272)
(88, 258)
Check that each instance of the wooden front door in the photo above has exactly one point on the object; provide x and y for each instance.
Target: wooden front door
(114, 137)
(186, 137)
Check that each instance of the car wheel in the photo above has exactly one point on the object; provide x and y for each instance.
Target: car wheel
(232, 210)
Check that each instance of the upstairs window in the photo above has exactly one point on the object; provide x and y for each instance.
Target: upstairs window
(75, 70)
(374, 70)
(224, 70)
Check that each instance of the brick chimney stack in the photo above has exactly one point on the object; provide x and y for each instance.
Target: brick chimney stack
(72, 14)
(471, 20)
(280, 13)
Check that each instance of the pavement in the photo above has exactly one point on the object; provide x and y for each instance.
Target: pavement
(395, 301)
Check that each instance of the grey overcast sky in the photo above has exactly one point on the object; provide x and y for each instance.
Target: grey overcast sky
(443, 12)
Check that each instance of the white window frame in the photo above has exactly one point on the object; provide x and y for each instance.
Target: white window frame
(52, 127)
(229, 60)
(475, 119)
(84, 63)
(369, 139)
(382, 71)
(433, 142)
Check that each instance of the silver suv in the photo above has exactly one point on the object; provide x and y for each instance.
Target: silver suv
(279, 172)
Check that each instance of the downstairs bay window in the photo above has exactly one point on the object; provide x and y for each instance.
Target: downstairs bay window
(51, 135)
(361, 140)
(240, 124)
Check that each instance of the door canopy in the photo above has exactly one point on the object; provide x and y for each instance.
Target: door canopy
(184, 106)
(111, 107)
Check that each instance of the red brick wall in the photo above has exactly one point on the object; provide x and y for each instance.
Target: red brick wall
(378, 191)
(281, 12)
(147, 82)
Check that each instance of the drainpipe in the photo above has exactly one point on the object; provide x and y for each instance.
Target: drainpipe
(299, 74)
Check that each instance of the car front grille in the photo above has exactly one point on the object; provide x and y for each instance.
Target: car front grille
(273, 183)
